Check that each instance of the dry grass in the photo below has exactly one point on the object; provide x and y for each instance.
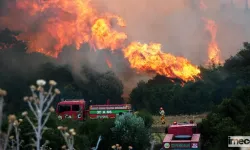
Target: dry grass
(178, 118)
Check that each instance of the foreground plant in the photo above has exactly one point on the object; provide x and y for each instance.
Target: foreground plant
(119, 147)
(68, 136)
(97, 144)
(15, 141)
(39, 104)
(2, 94)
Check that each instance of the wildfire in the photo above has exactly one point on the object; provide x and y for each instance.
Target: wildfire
(150, 58)
(49, 26)
(213, 49)
(104, 37)
(211, 27)
(60, 23)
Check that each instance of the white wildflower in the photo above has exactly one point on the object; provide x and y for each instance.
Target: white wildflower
(25, 113)
(52, 83)
(40, 82)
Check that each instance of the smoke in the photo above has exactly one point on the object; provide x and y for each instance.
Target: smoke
(97, 61)
(176, 24)
(179, 27)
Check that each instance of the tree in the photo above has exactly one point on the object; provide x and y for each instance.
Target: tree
(147, 117)
(110, 87)
(227, 119)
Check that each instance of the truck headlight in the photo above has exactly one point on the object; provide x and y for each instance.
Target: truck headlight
(166, 145)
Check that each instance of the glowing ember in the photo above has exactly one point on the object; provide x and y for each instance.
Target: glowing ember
(150, 58)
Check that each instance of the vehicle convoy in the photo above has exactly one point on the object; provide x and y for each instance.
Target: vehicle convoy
(78, 109)
(182, 136)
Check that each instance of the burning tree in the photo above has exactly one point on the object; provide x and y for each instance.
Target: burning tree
(39, 104)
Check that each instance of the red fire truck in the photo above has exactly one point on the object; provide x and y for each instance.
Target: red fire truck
(78, 110)
(182, 136)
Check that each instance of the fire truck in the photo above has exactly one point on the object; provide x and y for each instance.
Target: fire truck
(78, 109)
(183, 136)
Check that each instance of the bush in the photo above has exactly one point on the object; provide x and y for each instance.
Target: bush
(130, 130)
(126, 130)
(147, 117)
(55, 137)
(94, 128)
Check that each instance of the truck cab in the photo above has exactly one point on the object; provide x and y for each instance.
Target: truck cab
(75, 109)
(182, 136)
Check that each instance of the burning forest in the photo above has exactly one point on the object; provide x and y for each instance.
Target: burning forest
(49, 26)
(141, 56)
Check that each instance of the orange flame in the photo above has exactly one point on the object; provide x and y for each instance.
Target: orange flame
(60, 23)
(104, 37)
(150, 58)
(213, 49)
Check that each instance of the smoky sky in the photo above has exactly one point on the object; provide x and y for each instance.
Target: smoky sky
(179, 27)
(176, 24)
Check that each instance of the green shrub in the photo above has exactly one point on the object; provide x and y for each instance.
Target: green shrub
(130, 130)
(147, 117)
(55, 137)
(94, 128)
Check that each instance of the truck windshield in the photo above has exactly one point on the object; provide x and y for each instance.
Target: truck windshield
(63, 108)
(182, 137)
(75, 107)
